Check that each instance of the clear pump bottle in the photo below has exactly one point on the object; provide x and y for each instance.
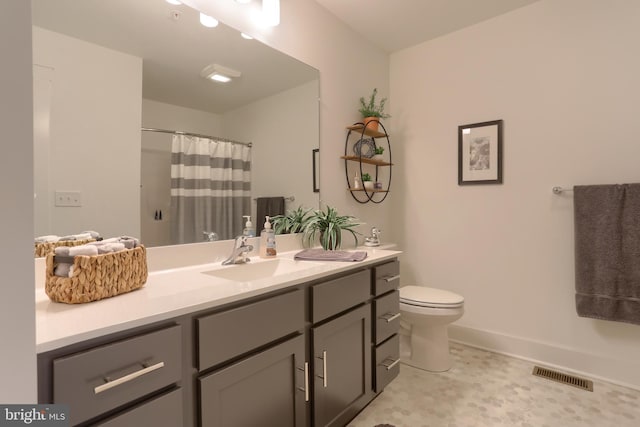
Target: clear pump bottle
(248, 227)
(267, 241)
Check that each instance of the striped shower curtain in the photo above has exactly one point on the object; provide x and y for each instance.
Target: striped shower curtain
(210, 188)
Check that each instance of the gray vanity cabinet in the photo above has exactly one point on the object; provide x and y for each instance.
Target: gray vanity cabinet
(266, 390)
(342, 367)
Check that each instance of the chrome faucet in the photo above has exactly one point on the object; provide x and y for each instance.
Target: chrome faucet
(210, 236)
(240, 249)
(374, 239)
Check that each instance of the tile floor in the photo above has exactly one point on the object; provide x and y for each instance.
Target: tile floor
(485, 389)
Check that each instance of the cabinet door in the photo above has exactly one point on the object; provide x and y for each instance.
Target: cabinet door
(266, 390)
(342, 367)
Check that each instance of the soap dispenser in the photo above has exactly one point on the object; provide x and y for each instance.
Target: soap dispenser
(248, 227)
(267, 241)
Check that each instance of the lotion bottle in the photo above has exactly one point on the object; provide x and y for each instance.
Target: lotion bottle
(248, 227)
(267, 241)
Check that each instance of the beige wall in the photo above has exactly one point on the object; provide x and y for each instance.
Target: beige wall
(94, 134)
(17, 323)
(563, 75)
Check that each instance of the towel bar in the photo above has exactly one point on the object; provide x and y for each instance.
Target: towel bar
(560, 190)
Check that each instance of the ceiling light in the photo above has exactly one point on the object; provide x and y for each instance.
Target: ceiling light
(176, 2)
(219, 73)
(208, 21)
(246, 36)
(271, 12)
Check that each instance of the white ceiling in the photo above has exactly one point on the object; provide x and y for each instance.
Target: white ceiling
(397, 24)
(175, 51)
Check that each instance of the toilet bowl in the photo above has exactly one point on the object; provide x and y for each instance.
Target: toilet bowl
(426, 315)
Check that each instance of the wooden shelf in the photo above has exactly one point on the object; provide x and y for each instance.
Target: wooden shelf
(368, 131)
(366, 160)
(369, 191)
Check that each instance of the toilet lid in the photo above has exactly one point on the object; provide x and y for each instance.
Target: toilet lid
(429, 297)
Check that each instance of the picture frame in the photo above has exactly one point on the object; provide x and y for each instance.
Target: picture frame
(480, 153)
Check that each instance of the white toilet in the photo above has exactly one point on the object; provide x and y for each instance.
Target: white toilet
(426, 315)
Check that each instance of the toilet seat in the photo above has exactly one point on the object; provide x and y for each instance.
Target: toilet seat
(421, 296)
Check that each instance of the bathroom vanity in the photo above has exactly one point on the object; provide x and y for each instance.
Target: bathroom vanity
(310, 345)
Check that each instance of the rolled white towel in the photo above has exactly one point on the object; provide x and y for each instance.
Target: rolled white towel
(129, 242)
(62, 270)
(62, 251)
(110, 247)
(93, 234)
(74, 237)
(83, 250)
(47, 239)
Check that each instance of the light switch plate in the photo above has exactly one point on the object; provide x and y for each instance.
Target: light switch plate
(68, 198)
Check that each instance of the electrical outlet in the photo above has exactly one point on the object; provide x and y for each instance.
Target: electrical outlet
(68, 198)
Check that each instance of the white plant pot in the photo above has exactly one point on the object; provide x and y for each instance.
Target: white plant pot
(368, 185)
(378, 157)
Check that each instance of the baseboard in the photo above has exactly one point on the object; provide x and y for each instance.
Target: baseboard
(597, 367)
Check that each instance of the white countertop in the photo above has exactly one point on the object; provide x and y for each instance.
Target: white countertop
(171, 293)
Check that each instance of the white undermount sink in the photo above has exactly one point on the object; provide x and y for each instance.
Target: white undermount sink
(261, 269)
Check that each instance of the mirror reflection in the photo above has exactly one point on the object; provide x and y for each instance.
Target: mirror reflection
(103, 71)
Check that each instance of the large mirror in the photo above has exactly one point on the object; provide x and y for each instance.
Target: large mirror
(104, 70)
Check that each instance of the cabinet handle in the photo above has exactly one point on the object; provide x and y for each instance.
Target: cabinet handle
(324, 369)
(388, 365)
(110, 384)
(391, 278)
(389, 317)
(306, 381)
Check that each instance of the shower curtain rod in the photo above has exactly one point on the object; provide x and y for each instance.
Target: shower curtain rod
(197, 135)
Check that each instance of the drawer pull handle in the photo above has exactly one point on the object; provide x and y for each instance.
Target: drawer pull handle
(391, 278)
(390, 363)
(324, 369)
(110, 384)
(389, 317)
(306, 381)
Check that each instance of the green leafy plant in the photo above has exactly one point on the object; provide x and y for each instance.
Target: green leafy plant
(371, 109)
(379, 150)
(293, 222)
(366, 177)
(328, 225)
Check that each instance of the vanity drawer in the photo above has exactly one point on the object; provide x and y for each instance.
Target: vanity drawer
(340, 294)
(387, 277)
(101, 379)
(387, 315)
(227, 334)
(165, 410)
(387, 363)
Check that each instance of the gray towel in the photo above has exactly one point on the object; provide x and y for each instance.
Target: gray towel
(607, 251)
(322, 255)
(271, 206)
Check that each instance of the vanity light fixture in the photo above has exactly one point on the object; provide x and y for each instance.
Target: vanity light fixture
(175, 2)
(246, 36)
(271, 12)
(243, 1)
(208, 21)
(219, 73)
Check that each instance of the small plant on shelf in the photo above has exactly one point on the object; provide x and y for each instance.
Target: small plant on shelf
(371, 109)
(379, 150)
(366, 177)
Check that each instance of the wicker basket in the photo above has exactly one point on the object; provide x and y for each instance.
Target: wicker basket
(42, 249)
(97, 277)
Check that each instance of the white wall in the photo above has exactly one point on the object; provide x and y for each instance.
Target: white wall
(17, 323)
(94, 133)
(290, 117)
(349, 66)
(564, 78)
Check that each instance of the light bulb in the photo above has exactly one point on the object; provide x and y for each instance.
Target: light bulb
(176, 2)
(208, 21)
(271, 12)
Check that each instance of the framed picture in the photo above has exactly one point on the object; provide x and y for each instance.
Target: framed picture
(480, 153)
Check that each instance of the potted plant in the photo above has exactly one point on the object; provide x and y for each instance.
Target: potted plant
(293, 222)
(367, 182)
(372, 112)
(378, 154)
(328, 225)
